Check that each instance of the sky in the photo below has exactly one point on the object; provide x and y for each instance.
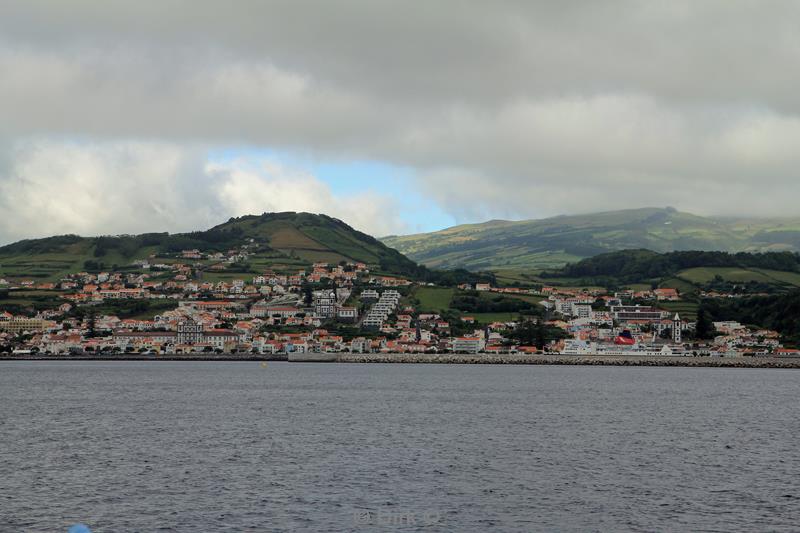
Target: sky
(397, 117)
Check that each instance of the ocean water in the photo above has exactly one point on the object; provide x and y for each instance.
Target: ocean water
(201, 446)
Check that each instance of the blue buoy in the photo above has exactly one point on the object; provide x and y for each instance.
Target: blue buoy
(79, 528)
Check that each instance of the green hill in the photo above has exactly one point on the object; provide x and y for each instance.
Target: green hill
(774, 312)
(281, 241)
(553, 242)
(689, 272)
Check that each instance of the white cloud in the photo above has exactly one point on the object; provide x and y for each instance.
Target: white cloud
(51, 187)
(244, 188)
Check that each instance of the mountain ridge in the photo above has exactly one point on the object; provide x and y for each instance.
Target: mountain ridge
(555, 241)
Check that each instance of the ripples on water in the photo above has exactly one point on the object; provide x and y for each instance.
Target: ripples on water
(163, 446)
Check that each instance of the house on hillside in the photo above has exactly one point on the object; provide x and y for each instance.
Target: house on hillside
(666, 295)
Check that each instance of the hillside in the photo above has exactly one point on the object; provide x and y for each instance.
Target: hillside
(553, 242)
(741, 286)
(691, 270)
(775, 312)
(280, 241)
(638, 265)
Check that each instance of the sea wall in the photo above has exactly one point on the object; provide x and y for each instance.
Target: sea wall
(146, 357)
(484, 359)
(612, 360)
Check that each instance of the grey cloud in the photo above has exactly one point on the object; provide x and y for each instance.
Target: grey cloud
(443, 51)
(572, 106)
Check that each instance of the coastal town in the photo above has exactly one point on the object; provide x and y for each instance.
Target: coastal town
(178, 307)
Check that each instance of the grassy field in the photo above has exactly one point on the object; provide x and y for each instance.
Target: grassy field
(516, 277)
(316, 256)
(214, 276)
(572, 283)
(433, 299)
(488, 318)
(705, 275)
(530, 298)
(683, 287)
(44, 267)
(638, 286)
(21, 299)
(687, 310)
(54, 265)
(689, 280)
(277, 262)
(791, 278)
(740, 275)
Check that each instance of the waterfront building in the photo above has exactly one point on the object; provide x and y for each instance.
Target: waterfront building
(468, 344)
(189, 332)
(20, 324)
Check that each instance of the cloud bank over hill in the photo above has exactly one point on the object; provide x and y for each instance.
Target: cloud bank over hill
(514, 109)
(134, 187)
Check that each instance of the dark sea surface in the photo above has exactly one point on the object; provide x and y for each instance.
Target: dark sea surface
(205, 447)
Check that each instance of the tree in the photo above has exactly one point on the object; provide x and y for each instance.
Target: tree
(599, 305)
(91, 327)
(526, 333)
(703, 326)
(536, 333)
(541, 335)
(308, 294)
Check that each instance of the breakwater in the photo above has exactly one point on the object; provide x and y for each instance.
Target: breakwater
(610, 360)
(146, 357)
(484, 359)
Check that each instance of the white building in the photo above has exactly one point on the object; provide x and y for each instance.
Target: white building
(189, 332)
(348, 313)
(380, 311)
(581, 310)
(578, 347)
(468, 344)
(325, 304)
(369, 294)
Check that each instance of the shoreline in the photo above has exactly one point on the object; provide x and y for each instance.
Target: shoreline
(508, 359)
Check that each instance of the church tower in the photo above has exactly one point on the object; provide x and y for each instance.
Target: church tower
(676, 329)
